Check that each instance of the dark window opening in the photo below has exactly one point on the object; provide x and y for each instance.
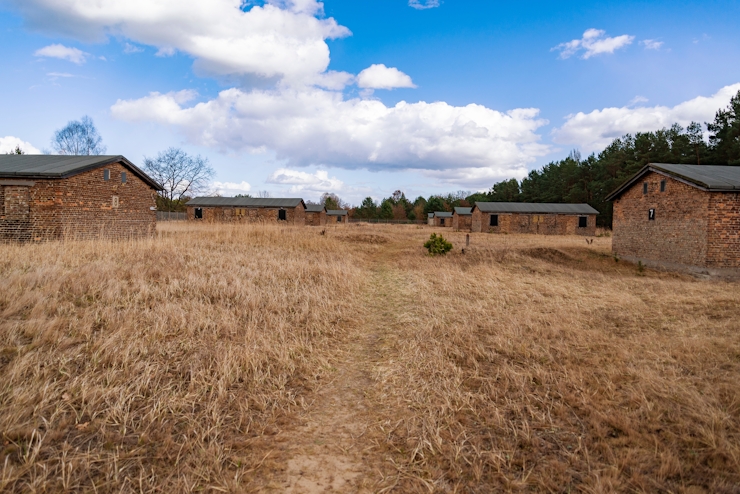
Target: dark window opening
(282, 216)
(441, 222)
(123, 177)
(644, 188)
(494, 220)
(339, 219)
(662, 185)
(582, 221)
(198, 213)
(106, 175)
(651, 214)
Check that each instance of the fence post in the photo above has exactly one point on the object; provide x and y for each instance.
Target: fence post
(467, 240)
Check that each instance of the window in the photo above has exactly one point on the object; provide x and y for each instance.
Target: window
(662, 185)
(339, 219)
(198, 213)
(582, 221)
(123, 177)
(282, 215)
(651, 214)
(494, 220)
(106, 175)
(441, 222)
(644, 187)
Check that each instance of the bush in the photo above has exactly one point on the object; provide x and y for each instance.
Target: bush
(437, 245)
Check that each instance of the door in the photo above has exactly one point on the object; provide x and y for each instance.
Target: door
(198, 213)
(282, 216)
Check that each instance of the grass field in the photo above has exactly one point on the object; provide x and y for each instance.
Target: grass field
(260, 358)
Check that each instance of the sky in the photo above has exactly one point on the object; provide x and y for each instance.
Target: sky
(298, 97)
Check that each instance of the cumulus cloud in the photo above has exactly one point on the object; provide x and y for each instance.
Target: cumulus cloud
(593, 42)
(232, 188)
(281, 39)
(316, 127)
(9, 143)
(594, 131)
(378, 76)
(651, 44)
(63, 53)
(128, 48)
(423, 4)
(300, 181)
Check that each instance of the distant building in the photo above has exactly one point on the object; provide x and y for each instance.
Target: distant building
(337, 216)
(542, 218)
(247, 209)
(430, 219)
(47, 197)
(684, 217)
(442, 218)
(315, 215)
(462, 218)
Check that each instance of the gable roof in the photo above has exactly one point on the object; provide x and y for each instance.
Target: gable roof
(246, 202)
(534, 208)
(463, 211)
(336, 212)
(705, 177)
(62, 166)
(315, 208)
(442, 214)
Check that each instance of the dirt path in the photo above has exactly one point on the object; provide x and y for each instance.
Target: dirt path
(335, 448)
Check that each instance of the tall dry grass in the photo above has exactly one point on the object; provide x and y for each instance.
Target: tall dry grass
(535, 363)
(152, 365)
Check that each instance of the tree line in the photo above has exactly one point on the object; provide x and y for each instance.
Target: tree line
(578, 180)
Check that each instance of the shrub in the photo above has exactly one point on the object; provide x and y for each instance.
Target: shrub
(437, 245)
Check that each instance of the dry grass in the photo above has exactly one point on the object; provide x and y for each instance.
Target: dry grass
(529, 363)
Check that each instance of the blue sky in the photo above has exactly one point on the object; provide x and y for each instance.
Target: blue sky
(362, 98)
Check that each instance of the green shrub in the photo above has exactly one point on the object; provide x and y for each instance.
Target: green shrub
(437, 245)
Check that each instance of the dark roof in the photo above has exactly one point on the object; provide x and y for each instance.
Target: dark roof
(430, 215)
(336, 212)
(62, 166)
(246, 202)
(314, 208)
(534, 208)
(442, 214)
(463, 211)
(705, 177)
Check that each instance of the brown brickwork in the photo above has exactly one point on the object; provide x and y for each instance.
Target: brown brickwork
(461, 222)
(333, 220)
(293, 216)
(542, 224)
(692, 227)
(79, 207)
(436, 221)
(315, 218)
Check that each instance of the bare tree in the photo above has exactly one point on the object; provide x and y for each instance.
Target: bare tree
(180, 174)
(79, 137)
(263, 194)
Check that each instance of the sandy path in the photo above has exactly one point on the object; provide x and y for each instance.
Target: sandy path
(335, 447)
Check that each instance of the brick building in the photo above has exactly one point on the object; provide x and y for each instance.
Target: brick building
(337, 216)
(247, 209)
(540, 218)
(462, 218)
(46, 197)
(442, 218)
(682, 217)
(315, 215)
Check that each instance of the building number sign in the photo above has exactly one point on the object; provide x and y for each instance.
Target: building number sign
(651, 214)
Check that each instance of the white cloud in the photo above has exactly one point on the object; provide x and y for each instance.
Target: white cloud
(281, 39)
(128, 48)
(593, 42)
(424, 4)
(315, 127)
(232, 188)
(378, 76)
(57, 75)
(63, 52)
(300, 181)
(594, 131)
(638, 99)
(651, 44)
(9, 143)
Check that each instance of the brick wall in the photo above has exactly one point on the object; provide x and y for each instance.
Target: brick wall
(293, 216)
(332, 220)
(315, 219)
(677, 235)
(723, 230)
(438, 222)
(542, 224)
(78, 207)
(461, 222)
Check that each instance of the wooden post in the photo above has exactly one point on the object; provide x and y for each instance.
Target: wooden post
(467, 240)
